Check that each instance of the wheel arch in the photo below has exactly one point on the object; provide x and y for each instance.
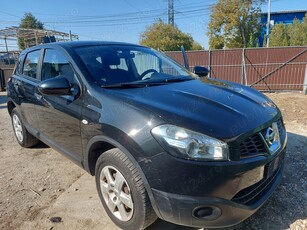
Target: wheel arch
(100, 144)
(10, 107)
(96, 147)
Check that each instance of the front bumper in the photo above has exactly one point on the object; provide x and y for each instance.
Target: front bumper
(217, 212)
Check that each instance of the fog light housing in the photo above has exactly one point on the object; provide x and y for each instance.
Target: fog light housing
(207, 213)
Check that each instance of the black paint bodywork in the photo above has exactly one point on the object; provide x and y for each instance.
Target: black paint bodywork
(124, 118)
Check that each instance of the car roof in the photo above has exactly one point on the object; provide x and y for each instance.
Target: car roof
(74, 44)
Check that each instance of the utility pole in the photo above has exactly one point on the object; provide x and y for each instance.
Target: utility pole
(268, 24)
(171, 12)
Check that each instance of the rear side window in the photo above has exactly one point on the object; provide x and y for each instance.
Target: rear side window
(31, 64)
(56, 64)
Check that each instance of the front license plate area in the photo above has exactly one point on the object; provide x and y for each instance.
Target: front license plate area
(272, 167)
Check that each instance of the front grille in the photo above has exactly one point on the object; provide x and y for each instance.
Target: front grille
(252, 194)
(252, 146)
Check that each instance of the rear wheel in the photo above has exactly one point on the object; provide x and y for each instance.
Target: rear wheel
(122, 191)
(23, 137)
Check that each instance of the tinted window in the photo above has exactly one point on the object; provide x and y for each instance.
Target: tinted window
(56, 64)
(18, 69)
(122, 64)
(144, 61)
(30, 65)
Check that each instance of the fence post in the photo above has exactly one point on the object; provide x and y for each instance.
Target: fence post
(209, 63)
(243, 69)
(305, 82)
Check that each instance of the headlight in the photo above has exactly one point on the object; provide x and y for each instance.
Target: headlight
(188, 144)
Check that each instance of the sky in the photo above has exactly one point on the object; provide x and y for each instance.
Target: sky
(119, 20)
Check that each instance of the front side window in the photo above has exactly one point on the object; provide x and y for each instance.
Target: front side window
(56, 64)
(31, 64)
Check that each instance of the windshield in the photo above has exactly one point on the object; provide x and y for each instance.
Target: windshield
(124, 65)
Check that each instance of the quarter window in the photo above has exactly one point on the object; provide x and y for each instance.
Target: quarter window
(31, 63)
(18, 69)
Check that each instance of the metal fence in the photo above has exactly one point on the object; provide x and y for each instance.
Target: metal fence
(268, 69)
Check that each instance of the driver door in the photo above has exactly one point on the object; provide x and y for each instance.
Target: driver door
(60, 116)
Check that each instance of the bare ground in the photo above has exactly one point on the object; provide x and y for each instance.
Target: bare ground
(32, 179)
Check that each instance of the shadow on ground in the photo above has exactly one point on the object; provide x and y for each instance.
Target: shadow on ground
(40, 145)
(3, 100)
(160, 224)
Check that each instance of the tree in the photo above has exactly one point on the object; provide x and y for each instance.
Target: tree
(264, 41)
(29, 22)
(196, 46)
(165, 37)
(295, 33)
(279, 36)
(235, 24)
(304, 30)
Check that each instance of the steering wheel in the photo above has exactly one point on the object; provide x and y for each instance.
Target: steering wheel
(143, 75)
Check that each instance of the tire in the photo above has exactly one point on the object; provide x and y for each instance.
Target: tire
(23, 137)
(122, 191)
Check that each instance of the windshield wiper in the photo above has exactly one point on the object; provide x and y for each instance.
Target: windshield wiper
(178, 79)
(148, 82)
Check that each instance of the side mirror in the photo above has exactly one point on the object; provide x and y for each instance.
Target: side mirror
(201, 71)
(55, 86)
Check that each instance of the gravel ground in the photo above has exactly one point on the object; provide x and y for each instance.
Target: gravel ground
(32, 179)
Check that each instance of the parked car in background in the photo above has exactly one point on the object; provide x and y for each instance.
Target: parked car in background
(160, 140)
(7, 59)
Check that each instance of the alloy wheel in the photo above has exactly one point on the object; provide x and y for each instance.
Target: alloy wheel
(116, 193)
(17, 128)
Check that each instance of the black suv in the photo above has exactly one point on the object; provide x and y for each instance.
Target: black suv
(161, 141)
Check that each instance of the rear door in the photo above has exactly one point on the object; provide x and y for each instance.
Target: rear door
(60, 116)
(25, 93)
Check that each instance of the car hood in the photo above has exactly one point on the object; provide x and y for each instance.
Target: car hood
(217, 108)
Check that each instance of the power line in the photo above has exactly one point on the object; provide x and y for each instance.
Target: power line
(186, 10)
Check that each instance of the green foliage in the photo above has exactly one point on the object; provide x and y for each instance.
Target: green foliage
(29, 22)
(234, 24)
(295, 33)
(165, 37)
(292, 35)
(279, 36)
(196, 46)
(264, 41)
(304, 30)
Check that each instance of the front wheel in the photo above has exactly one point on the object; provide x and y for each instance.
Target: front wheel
(122, 191)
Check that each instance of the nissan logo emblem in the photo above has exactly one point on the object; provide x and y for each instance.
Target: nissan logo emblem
(270, 136)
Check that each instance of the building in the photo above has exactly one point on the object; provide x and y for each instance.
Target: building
(285, 17)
